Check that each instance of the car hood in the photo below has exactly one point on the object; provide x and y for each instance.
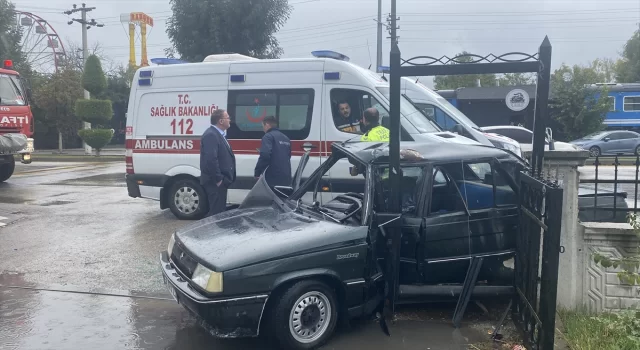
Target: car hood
(243, 237)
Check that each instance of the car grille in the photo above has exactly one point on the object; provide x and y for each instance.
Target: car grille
(183, 261)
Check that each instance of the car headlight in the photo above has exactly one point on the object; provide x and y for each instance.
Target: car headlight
(208, 280)
(172, 242)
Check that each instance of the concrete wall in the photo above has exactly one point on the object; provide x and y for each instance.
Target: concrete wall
(601, 289)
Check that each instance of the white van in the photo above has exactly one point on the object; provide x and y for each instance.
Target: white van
(448, 117)
(170, 108)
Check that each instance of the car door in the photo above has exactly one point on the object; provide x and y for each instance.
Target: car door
(413, 178)
(609, 143)
(628, 142)
(445, 235)
(492, 202)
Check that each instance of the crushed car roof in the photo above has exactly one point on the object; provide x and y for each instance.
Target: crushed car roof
(370, 152)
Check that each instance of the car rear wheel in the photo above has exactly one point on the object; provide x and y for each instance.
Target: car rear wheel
(305, 316)
(7, 169)
(594, 151)
(637, 151)
(187, 200)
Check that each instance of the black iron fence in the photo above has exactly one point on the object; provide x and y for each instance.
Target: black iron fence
(609, 188)
(537, 260)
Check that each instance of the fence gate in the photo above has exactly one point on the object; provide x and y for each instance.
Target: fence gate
(536, 261)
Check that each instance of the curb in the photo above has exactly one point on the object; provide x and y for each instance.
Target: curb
(72, 158)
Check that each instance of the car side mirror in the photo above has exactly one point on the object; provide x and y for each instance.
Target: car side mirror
(283, 191)
(606, 139)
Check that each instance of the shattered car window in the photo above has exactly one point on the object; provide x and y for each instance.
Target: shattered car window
(412, 178)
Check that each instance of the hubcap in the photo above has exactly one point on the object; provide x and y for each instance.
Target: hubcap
(187, 200)
(595, 152)
(310, 317)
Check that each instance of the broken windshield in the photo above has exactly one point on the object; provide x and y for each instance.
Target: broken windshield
(10, 93)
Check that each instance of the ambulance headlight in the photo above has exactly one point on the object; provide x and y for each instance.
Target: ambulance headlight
(208, 280)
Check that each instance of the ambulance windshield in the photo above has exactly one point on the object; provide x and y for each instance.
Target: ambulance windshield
(414, 116)
(10, 94)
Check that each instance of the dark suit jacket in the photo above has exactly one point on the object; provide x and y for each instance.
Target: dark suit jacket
(217, 161)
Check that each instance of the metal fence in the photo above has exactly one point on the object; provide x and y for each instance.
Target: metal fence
(609, 188)
(537, 260)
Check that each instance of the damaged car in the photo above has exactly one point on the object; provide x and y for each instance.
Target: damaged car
(292, 261)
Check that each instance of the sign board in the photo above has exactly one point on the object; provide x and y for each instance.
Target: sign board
(517, 100)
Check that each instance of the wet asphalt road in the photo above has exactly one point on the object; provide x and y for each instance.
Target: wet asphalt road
(79, 269)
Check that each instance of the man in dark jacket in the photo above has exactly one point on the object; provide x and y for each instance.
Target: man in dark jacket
(217, 162)
(275, 155)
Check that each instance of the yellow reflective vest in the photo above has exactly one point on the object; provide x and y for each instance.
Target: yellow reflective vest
(379, 133)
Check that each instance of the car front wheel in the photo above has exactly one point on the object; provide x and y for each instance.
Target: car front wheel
(637, 151)
(187, 200)
(305, 316)
(594, 151)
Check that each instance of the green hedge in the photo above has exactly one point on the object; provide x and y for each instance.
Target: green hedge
(93, 78)
(96, 138)
(94, 111)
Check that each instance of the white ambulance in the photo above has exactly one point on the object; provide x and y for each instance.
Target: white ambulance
(170, 107)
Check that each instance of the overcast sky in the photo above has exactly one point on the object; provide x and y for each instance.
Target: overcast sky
(579, 30)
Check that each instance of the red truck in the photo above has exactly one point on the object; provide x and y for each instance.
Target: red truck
(16, 121)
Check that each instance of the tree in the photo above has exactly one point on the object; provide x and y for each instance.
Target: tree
(513, 79)
(628, 68)
(10, 36)
(446, 82)
(605, 69)
(576, 109)
(57, 96)
(94, 110)
(198, 28)
(75, 59)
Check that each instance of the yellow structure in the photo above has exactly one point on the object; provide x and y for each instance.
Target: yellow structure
(142, 20)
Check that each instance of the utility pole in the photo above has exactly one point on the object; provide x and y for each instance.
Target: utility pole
(379, 51)
(85, 47)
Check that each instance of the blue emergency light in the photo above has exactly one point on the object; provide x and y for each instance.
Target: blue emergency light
(384, 69)
(332, 76)
(237, 78)
(146, 73)
(164, 61)
(145, 82)
(330, 54)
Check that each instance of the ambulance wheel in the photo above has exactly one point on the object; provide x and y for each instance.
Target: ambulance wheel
(6, 169)
(187, 200)
(305, 316)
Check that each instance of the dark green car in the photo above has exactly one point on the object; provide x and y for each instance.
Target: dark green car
(291, 262)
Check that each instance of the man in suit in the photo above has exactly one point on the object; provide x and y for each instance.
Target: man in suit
(217, 162)
(275, 155)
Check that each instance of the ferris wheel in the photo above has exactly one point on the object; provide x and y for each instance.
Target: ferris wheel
(40, 43)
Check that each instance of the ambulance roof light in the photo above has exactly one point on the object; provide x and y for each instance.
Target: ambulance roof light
(330, 54)
(8, 64)
(164, 61)
(384, 69)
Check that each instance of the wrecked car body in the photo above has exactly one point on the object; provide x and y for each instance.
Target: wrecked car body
(291, 262)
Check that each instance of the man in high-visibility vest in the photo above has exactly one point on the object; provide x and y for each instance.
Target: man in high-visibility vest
(375, 131)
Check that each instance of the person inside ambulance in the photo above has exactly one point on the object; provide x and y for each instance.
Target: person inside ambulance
(344, 120)
(373, 130)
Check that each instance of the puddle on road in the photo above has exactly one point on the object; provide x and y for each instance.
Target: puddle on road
(102, 180)
(52, 203)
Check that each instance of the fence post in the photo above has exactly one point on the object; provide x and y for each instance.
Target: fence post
(570, 271)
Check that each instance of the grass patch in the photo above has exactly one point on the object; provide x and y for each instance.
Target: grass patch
(604, 331)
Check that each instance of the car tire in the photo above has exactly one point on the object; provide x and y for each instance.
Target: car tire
(305, 315)
(7, 169)
(187, 200)
(595, 151)
(637, 151)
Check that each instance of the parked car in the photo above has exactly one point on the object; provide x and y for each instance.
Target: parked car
(610, 142)
(525, 137)
(286, 264)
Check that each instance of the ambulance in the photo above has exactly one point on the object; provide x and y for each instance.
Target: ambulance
(170, 107)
